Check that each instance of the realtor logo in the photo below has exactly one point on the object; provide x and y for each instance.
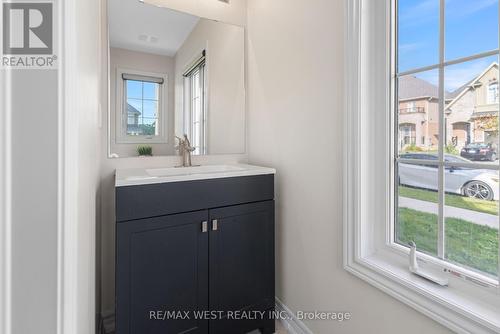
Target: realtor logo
(28, 34)
(27, 28)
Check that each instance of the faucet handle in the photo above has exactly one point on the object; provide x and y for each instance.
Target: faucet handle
(186, 141)
(187, 144)
(181, 146)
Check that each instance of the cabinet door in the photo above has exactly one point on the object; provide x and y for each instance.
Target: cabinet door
(242, 266)
(162, 266)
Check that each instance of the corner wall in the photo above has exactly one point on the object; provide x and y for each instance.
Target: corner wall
(295, 117)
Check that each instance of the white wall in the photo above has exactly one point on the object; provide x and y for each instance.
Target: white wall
(295, 122)
(87, 76)
(225, 70)
(34, 183)
(140, 61)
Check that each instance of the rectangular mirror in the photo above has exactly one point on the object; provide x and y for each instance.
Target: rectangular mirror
(171, 74)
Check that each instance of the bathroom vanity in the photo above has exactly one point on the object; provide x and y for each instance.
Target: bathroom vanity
(195, 239)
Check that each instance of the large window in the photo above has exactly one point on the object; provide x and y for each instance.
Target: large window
(421, 155)
(447, 187)
(140, 107)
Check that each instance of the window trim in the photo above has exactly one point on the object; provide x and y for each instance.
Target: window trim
(120, 136)
(495, 96)
(200, 66)
(441, 164)
(368, 255)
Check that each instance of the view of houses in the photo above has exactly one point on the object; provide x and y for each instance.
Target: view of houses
(135, 124)
(471, 112)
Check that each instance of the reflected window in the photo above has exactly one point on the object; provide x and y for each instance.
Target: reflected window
(141, 116)
(195, 105)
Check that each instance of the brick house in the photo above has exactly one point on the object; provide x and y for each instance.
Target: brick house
(418, 113)
(473, 111)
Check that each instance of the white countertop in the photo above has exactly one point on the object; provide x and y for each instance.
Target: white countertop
(138, 176)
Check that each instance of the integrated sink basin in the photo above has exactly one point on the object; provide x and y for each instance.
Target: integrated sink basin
(138, 176)
(163, 172)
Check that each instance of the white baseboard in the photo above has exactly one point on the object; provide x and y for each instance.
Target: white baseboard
(290, 321)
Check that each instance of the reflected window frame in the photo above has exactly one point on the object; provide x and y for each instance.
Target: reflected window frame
(196, 104)
(121, 115)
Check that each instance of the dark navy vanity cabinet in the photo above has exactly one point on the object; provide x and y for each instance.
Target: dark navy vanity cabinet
(192, 246)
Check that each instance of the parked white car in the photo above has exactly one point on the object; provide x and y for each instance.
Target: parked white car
(477, 183)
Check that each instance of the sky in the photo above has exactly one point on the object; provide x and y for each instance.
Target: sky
(471, 27)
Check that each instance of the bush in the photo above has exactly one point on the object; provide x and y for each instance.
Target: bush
(451, 149)
(145, 150)
(413, 148)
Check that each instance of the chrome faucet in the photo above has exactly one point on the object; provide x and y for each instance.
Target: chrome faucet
(185, 150)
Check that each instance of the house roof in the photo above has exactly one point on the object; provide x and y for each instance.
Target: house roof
(457, 94)
(411, 87)
(132, 111)
(460, 89)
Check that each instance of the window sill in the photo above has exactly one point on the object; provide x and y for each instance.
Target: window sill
(141, 140)
(461, 307)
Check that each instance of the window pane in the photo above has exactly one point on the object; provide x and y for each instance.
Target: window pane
(151, 91)
(196, 111)
(472, 109)
(418, 115)
(134, 89)
(417, 208)
(471, 27)
(135, 104)
(418, 33)
(142, 108)
(134, 113)
(150, 109)
(471, 216)
(150, 118)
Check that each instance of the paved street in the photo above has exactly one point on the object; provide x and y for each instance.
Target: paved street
(450, 211)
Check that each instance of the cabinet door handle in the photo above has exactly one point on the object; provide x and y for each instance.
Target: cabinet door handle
(215, 225)
(204, 226)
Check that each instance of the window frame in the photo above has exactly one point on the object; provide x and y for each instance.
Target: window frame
(441, 162)
(495, 93)
(120, 132)
(201, 68)
(468, 304)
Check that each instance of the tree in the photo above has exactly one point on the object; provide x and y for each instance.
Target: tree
(487, 123)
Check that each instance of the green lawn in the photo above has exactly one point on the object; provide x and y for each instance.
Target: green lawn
(469, 244)
(458, 201)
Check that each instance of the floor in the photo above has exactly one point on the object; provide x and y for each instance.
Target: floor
(280, 329)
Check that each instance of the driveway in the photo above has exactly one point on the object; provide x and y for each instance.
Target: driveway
(475, 217)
